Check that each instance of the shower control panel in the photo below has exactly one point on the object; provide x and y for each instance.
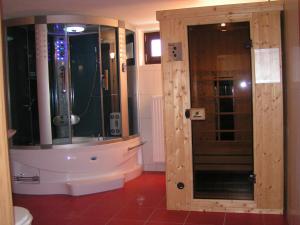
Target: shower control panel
(60, 49)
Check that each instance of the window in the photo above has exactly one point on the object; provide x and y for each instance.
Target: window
(152, 48)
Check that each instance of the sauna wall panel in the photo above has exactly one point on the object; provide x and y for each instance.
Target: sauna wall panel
(268, 118)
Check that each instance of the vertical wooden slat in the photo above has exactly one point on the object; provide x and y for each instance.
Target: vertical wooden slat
(175, 93)
(6, 209)
(268, 118)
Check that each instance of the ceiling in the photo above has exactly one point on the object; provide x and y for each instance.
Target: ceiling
(136, 12)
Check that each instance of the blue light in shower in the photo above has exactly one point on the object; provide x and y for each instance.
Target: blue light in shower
(60, 50)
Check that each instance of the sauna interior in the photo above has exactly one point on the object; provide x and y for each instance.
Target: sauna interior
(149, 112)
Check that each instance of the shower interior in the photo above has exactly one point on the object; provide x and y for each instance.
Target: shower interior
(83, 82)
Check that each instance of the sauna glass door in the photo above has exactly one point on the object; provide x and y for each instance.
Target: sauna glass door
(221, 110)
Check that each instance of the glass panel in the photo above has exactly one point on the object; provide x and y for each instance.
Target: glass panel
(155, 48)
(220, 70)
(58, 44)
(23, 85)
(131, 83)
(110, 88)
(85, 82)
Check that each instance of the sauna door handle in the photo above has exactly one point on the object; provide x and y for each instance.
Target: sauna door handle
(187, 113)
(195, 114)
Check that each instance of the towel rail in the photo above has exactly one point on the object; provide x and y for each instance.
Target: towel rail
(134, 147)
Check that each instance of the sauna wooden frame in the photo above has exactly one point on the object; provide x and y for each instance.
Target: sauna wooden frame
(265, 32)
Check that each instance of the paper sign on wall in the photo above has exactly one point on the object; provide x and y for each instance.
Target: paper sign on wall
(267, 65)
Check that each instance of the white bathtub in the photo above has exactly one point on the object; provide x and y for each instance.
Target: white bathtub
(76, 169)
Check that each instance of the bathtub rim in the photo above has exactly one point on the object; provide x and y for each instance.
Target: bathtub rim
(75, 145)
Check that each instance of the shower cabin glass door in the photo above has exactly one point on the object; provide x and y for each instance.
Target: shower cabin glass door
(220, 81)
(83, 82)
(23, 85)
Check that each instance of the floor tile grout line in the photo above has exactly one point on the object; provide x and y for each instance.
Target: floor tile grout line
(186, 218)
(148, 219)
(263, 219)
(224, 221)
(114, 215)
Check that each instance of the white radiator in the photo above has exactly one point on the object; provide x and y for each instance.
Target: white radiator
(158, 129)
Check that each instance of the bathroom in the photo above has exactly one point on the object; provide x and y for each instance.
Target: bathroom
(102, 113)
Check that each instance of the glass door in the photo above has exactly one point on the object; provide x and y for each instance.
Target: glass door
(221, 114)
(23, 85)
(85, 83)
(110, 83)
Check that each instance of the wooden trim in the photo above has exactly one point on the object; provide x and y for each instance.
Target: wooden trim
(6, 208)
(123, 82)
(226, 10)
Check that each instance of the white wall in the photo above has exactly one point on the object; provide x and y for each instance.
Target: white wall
(149, 84)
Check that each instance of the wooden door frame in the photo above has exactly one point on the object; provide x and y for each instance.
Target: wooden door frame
(264, 21)
(6, 208)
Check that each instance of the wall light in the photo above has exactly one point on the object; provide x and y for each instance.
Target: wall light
(112, 55)
(243, 84)
(74, 28)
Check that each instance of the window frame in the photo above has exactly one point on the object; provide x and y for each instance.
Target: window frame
(148, 37)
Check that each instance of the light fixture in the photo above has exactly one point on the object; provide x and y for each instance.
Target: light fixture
(74, 28)
(223, 27)
(112, 55)
(243, 84)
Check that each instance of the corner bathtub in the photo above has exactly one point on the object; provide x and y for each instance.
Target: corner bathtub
(76, 169)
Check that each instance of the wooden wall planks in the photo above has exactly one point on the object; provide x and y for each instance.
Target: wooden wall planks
(267, 99)
(6, 209)
(268, 118)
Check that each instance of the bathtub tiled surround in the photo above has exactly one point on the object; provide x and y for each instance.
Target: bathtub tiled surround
(141, 202)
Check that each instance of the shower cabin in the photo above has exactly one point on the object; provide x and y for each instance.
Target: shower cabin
(64, 80)
(223, 107)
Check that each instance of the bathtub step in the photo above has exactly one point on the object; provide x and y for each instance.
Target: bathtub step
(95, 185)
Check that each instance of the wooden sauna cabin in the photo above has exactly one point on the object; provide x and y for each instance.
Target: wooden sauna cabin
(223, 107)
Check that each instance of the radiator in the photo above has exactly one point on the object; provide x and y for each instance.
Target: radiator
(158, 129)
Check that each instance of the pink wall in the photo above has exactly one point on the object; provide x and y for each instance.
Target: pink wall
(292, 87)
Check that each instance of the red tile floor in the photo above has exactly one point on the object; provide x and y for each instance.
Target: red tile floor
(141, 202)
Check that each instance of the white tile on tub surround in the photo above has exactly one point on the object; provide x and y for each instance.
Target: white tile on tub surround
(146, 129)
(147, 152)
(145, 106)
(148, 163)
(150, 80)
(155, 167)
